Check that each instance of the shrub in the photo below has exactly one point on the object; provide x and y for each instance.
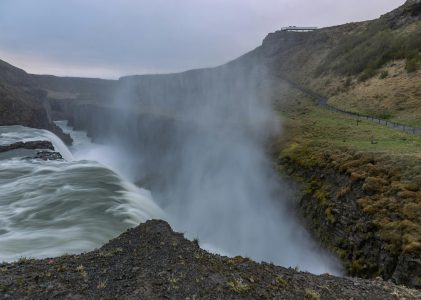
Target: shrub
(384, 74)
(348, 82)
(411, 65)
(364, 52)
(367, 74)
(383, 115)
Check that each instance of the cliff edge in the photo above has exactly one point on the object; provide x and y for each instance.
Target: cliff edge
(153, 262)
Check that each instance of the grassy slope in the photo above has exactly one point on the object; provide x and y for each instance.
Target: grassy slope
(390, 170)
(369, 67)
(329, 128)
(396, 97)
(374, 70)
(362, 67)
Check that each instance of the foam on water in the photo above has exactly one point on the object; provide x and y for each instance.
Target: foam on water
(17, 133)
(69, 206)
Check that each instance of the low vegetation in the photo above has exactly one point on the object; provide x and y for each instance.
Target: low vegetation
(364, 52)
(381, 178)
(327, 129)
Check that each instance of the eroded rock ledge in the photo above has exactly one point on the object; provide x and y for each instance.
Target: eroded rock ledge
(365, 207)
(153, 262)
(32, 145)
(42, 149)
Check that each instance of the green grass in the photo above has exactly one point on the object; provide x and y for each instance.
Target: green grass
(407, 120)
(407, 117)
(319, 125)
(390, 168)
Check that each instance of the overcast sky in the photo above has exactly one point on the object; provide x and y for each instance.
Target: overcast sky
(111, 38)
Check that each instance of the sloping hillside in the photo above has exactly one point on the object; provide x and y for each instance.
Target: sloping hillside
(22, 103)
(360, 179)
(370, 67)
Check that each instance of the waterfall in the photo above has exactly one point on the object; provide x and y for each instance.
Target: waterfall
(48, 208)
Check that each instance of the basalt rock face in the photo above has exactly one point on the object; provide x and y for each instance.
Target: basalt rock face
(153, 262)
(21, 103)
(151, 137)
(336, 205)
(12, 75)
(19, 106)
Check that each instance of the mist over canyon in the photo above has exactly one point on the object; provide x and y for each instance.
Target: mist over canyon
(199, 141)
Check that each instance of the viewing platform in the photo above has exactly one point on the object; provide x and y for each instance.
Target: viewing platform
(298, 29)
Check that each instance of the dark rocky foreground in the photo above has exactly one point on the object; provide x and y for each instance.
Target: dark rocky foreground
(153, 262)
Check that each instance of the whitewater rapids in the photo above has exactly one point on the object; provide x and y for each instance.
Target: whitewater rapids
(74, 205)
(49, 208)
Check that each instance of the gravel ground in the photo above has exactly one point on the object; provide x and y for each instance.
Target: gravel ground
(153, 262)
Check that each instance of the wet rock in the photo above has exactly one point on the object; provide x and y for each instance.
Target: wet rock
(45, 145)
(409, 264)
(47, 155)
(48, 152)
(65, 137)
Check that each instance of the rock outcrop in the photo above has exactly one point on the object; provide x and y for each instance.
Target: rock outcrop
(32, 145)
(47, 155)
(22, 103)
(153, 262)
(363, 207)
(43, 149)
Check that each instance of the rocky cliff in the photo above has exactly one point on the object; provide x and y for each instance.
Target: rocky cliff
(363, 207)
(153, 262)
(21, 103)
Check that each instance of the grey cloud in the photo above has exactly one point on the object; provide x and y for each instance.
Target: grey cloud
(129, 36)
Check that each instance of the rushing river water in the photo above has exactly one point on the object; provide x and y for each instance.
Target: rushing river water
(48, 208)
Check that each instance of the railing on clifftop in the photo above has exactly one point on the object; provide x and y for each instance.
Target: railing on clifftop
(322, 102)
(298, 29)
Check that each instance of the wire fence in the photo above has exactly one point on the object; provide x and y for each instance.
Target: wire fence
(360, 117)
(322, 102)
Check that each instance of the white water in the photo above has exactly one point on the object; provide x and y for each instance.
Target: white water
(13, 134)
(48, 208)
(78, 204)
